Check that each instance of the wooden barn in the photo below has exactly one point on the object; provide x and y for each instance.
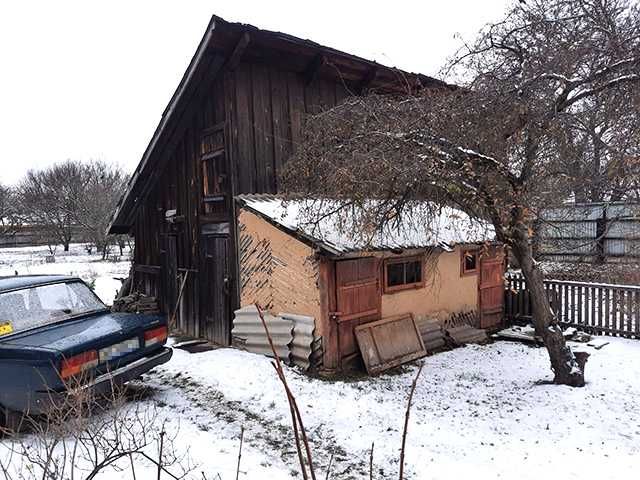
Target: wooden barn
(233, 121)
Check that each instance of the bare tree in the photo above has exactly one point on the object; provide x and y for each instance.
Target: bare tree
(103, 186)
(86, 435)
(49, 199)
(72, 197)
(603, 150)
(9, 210)
(496, 146)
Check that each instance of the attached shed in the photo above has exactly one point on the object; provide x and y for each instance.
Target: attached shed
(231, 124)
(432, 272)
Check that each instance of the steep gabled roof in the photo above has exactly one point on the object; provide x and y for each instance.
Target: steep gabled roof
(221, 46)
(439, 226)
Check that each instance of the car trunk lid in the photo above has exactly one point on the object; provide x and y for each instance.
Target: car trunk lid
(118, 338)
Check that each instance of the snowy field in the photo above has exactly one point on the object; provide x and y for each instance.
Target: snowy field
(481, 411)
(76, 262)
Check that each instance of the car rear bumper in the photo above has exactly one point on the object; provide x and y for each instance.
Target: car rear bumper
(103, 385)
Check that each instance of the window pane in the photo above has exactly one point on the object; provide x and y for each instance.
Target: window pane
(470, 261)
(41, 305)
(395, 274)
(414, 272)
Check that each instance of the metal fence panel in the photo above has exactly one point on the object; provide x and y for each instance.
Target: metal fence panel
(573, 233)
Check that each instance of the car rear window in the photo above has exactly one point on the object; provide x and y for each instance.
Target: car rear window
(41, 305)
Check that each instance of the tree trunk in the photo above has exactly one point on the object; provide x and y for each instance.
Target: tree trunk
(567, 371)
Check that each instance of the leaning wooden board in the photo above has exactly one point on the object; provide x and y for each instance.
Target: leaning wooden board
(389, 342)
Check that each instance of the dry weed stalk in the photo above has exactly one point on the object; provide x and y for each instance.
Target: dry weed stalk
(406, 422)
(296, 418)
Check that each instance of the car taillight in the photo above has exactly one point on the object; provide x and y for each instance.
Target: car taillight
(78, 363)
(155, 336)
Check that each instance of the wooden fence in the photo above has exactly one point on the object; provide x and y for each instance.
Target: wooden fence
(596, 308)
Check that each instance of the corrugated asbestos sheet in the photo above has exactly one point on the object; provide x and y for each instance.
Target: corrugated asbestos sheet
(248, 332)
(306, 348)
(293, 336)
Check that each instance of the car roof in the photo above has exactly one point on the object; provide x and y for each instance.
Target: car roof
(26, 281)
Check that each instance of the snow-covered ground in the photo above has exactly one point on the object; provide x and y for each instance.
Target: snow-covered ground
(480, 411)
(76, 262)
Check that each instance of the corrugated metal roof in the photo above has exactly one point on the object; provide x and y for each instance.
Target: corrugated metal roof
(337, 233)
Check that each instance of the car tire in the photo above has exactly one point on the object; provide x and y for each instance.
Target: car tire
(11, 421)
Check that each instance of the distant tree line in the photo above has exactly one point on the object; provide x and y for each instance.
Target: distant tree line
(67, 200)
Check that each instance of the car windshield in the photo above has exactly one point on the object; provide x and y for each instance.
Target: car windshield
(41, 305)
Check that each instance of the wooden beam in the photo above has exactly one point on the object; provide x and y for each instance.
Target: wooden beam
(236, 55)
(367, 80)
(311, 72)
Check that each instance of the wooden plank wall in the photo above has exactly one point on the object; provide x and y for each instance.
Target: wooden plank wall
(263, 108)
(267, 108)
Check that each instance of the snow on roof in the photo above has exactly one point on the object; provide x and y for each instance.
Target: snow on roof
(445, 226)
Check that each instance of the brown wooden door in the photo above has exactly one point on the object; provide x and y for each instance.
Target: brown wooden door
(215, 285)
(170, 274)
(357, 301)
(491, 288)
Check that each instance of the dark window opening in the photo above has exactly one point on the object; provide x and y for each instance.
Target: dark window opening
(469, 262)
(395, 274)
(214, 174)
(401, 274)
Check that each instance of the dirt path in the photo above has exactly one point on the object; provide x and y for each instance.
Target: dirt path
(211, 411)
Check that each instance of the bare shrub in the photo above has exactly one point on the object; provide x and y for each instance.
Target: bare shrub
(85, 435)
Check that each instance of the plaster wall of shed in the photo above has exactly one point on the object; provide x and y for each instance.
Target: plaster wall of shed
(445, 291)
(276, 270)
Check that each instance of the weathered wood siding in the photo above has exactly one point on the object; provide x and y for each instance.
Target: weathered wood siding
(267, 108)
(260, 109)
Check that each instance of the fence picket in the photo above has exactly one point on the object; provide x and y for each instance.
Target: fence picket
(636, 313)
(579, 303)
(606, 310)
(629, 312)
(592, 304)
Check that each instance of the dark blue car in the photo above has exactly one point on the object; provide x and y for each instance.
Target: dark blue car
(54, 332)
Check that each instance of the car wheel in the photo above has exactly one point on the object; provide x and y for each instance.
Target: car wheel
(11, 421)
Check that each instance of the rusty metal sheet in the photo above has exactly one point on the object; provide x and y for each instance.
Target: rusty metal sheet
(389, 342)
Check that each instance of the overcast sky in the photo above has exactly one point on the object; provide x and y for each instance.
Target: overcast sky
(87, 79)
